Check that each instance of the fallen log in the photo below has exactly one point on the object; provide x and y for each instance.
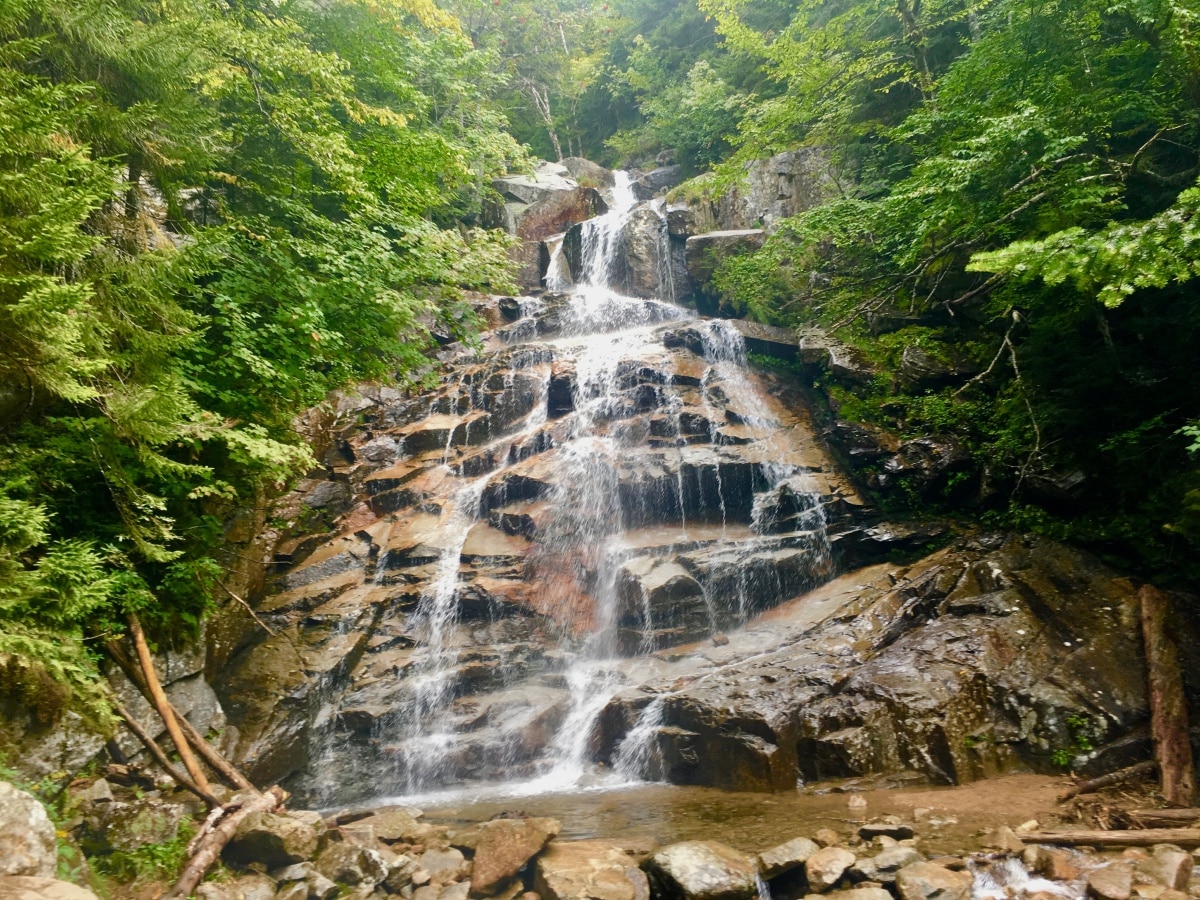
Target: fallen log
(1092, 785)
(159, 699)
(214, 838)
(1162, 818)
(161, 758)
(219, 763)
(1187, 838)
(1168, 706)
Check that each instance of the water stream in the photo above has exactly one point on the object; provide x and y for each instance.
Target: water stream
(674, 509)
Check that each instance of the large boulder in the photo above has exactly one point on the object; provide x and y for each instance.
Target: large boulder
(503, 848)
(273, 840)
(40, 887)
(929, 881)
(969, 663)
(589, 870)
(786, 857)
(537, 206)
(704, 253)
(702, 870)
(27, 842)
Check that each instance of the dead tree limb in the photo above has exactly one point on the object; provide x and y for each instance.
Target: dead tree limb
(209, 847)
(1168, 707)
(1162, 818)
(1121, 775)
(161, 758)
(159, 699)
(210, 753)
(1143, 837)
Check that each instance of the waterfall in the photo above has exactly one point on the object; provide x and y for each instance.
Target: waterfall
(610, 468)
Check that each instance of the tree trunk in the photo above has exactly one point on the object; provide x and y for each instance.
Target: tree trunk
(1145, 837)
(1121, 775)
(1168, 706)
(211, 756)
(161, 758)
(163, 705)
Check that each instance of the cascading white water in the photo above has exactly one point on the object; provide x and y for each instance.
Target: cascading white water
(595, 524)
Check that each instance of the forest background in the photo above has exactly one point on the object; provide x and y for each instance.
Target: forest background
(214, 213)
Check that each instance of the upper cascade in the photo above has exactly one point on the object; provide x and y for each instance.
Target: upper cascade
(603, 478)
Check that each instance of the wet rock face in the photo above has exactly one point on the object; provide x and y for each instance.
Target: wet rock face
(483, 489)
(968, 663)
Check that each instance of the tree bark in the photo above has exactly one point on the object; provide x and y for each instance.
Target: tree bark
(210, 843)
(161, 758)
(1168, 707)
(1144, 837)
(1162, 818)
(163, 705)
(1095, 784)
(211, 756)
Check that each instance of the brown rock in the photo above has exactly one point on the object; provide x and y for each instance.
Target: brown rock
(858, 893)
(589, 870)
(504, 846)
(1055, 864)
(1113, 882)
(786, 857)
(827, 837)
(926, 881)
(826, 867)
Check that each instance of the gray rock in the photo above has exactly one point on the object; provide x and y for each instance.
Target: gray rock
(884, 866)
(587, 172)
(128, 826)
(351, 864)
(245, 887)
(785, 857)
(826, 867)
(589, 870)
(28, 846)
(1167, 865)
(927, 881)
(39, 887)
(446, 864)
(701, 870)
(273, 840)
(1112, 882)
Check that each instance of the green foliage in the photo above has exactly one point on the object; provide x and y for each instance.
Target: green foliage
(210, 216)
(149, 862)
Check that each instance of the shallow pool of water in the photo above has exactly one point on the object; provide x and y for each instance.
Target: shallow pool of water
(947, 820)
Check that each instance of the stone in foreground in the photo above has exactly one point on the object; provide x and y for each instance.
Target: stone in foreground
(701, 870)
(27, 845)
(589, 870)
(504, 847)
(826, 867)
(928, 881)
(774, 862)
(30, 887)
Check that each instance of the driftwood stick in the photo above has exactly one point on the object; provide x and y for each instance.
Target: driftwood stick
(163, 706)
(1168, 707)
(161, 758)
(209, 848)
(1121, 775)
(1142, 837)
(210, 753)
